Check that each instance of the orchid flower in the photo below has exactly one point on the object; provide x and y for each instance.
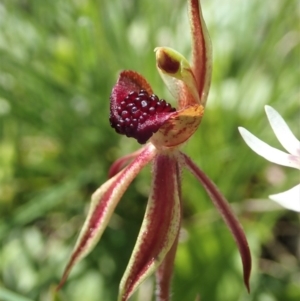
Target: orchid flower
(289, 199)
(136, 112)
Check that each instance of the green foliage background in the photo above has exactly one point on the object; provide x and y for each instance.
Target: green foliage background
(58, 63)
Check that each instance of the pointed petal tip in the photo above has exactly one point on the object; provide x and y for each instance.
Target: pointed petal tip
(289, 199)
(245, 256)
(66, 273)
(268, 152)
(267, 107)
(245, 253)
(62, 282)
(248, 287)
(283, 132)
(270, 110)
(242, 130)
(247, 279)
(271, 113)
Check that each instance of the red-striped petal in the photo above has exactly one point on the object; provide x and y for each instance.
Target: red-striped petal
(104, 201)
(230, 219)
(160, 225)
(165, 270)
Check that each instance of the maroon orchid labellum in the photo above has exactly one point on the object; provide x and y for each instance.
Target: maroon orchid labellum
(137, 112)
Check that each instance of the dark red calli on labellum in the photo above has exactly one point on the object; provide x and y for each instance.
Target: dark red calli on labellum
(138, 114)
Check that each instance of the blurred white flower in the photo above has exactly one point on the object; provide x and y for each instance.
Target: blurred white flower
(289, 199)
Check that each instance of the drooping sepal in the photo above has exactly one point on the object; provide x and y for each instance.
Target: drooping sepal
(159, 228)
(104, 201)
(226, 213)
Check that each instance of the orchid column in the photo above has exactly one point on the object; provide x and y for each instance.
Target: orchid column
(135, 111)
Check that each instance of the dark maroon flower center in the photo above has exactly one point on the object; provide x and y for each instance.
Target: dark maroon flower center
(139, 115)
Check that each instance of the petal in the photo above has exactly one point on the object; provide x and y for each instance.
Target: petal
(179, 127)
(289, 199)
(159, 228)
(120, 163)
(222, 205)
(283, 132)
(268, 152)
(104, 201)
(178, 76)
(202, 50)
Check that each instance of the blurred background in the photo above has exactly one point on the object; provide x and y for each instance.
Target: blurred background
(58, 63)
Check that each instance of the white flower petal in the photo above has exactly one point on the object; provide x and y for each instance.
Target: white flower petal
(283, 132)
(289, 199)
(268, 152)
